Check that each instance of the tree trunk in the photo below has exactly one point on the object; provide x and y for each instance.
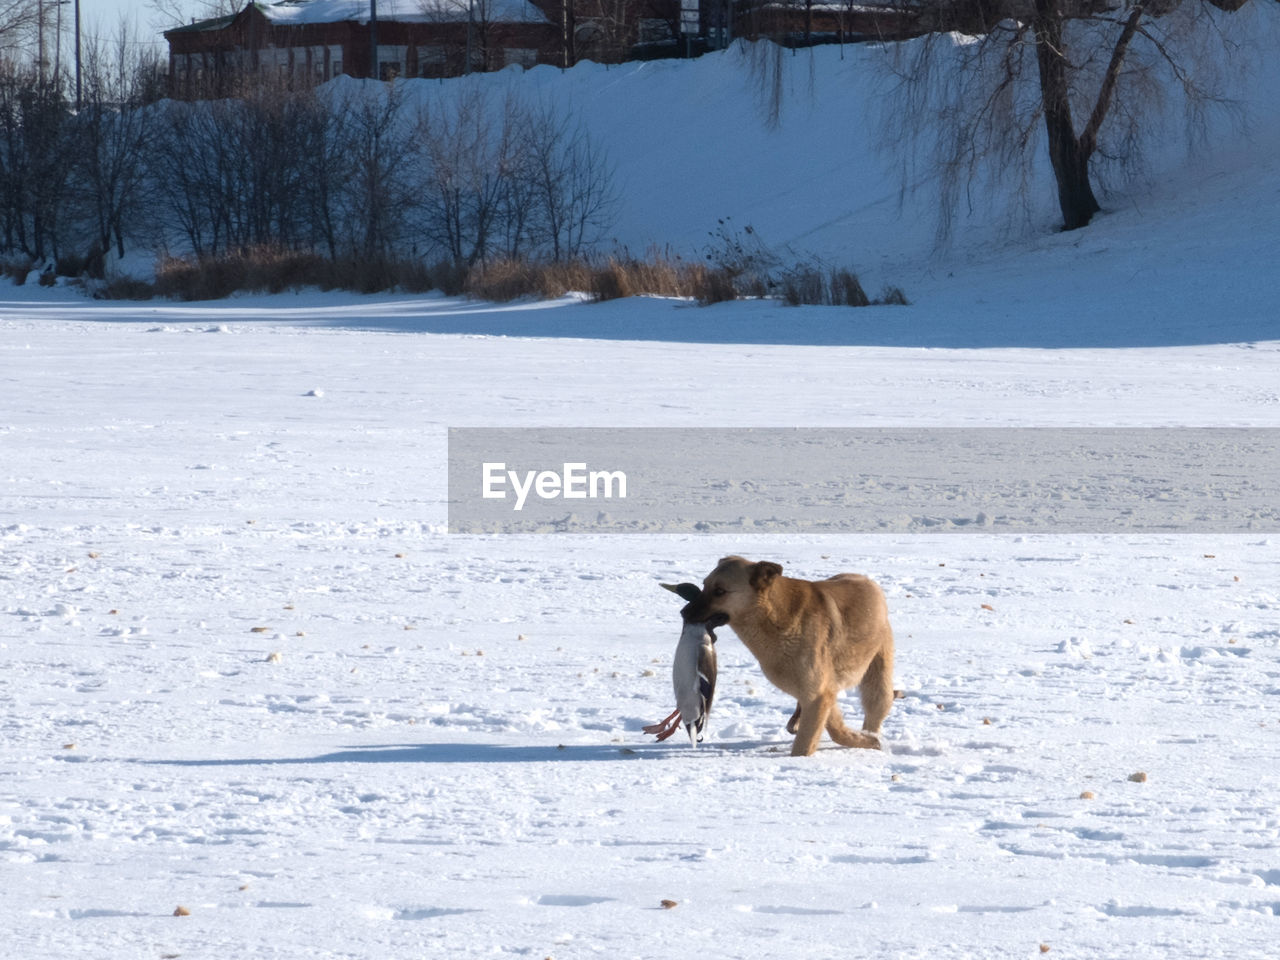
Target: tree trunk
(1070, 161)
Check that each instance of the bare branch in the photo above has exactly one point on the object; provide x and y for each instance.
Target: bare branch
(1089, 136)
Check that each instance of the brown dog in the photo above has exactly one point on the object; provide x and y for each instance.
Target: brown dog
(813, 639)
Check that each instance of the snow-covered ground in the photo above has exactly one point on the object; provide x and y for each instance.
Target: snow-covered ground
(445, 757)
(244, 670)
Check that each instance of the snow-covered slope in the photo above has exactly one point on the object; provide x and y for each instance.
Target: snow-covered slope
(1183, 255)
(691, 146)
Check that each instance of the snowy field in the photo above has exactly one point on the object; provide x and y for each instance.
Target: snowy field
(445, 759)
(245, 671)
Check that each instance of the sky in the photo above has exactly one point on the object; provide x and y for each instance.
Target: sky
(104, 15)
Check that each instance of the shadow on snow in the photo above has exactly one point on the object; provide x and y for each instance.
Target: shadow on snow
(481, 753)
(1053, 324)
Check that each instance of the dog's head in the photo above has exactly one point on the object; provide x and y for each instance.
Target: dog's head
(730, 589)
(695, 611)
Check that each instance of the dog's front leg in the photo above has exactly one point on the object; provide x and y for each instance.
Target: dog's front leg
(813, 718)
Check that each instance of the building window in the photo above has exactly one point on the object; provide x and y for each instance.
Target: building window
(274, 61)
(654, 30)
(391, 61)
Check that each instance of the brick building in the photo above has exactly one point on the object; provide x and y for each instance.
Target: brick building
(306, 42)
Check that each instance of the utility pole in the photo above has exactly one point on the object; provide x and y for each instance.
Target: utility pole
(565, 34)
(373, 39)
(40, 39)
(77, 56)
(57, 46)
(471, 26)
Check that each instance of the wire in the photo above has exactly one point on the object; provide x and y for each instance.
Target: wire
(115, 39)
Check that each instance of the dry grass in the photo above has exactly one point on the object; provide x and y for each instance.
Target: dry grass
(605, 278)
(257, 270)
(125, 288)
(846, 289)
(71, 265)
(274, 270)
(658, 273)
(16, 269)
(808, 283)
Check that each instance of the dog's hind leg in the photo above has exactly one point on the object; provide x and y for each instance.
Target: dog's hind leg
(842, 735)
(876, 690)
(813, 718)
(794, 723)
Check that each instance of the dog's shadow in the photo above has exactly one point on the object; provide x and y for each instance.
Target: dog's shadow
(412, 753)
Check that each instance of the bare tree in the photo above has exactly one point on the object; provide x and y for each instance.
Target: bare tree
(328, 167)
(470, 34)
(517, 231)
(114, 134)
(47, 123)
(1089, 77)
(605, 30)
(35, 161)
(471, 150)
(166, 14)
(379, 194)
(274, 168)
(14, 166)
(18, 19)
(189, 166)
(274, 132)
(35, 124)
(506, 180)
(572, 182)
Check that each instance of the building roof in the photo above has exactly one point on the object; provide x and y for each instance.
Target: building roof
(286, 12)
(217, 23)
(403, 11)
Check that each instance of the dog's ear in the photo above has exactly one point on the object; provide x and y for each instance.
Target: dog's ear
(762, 573)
